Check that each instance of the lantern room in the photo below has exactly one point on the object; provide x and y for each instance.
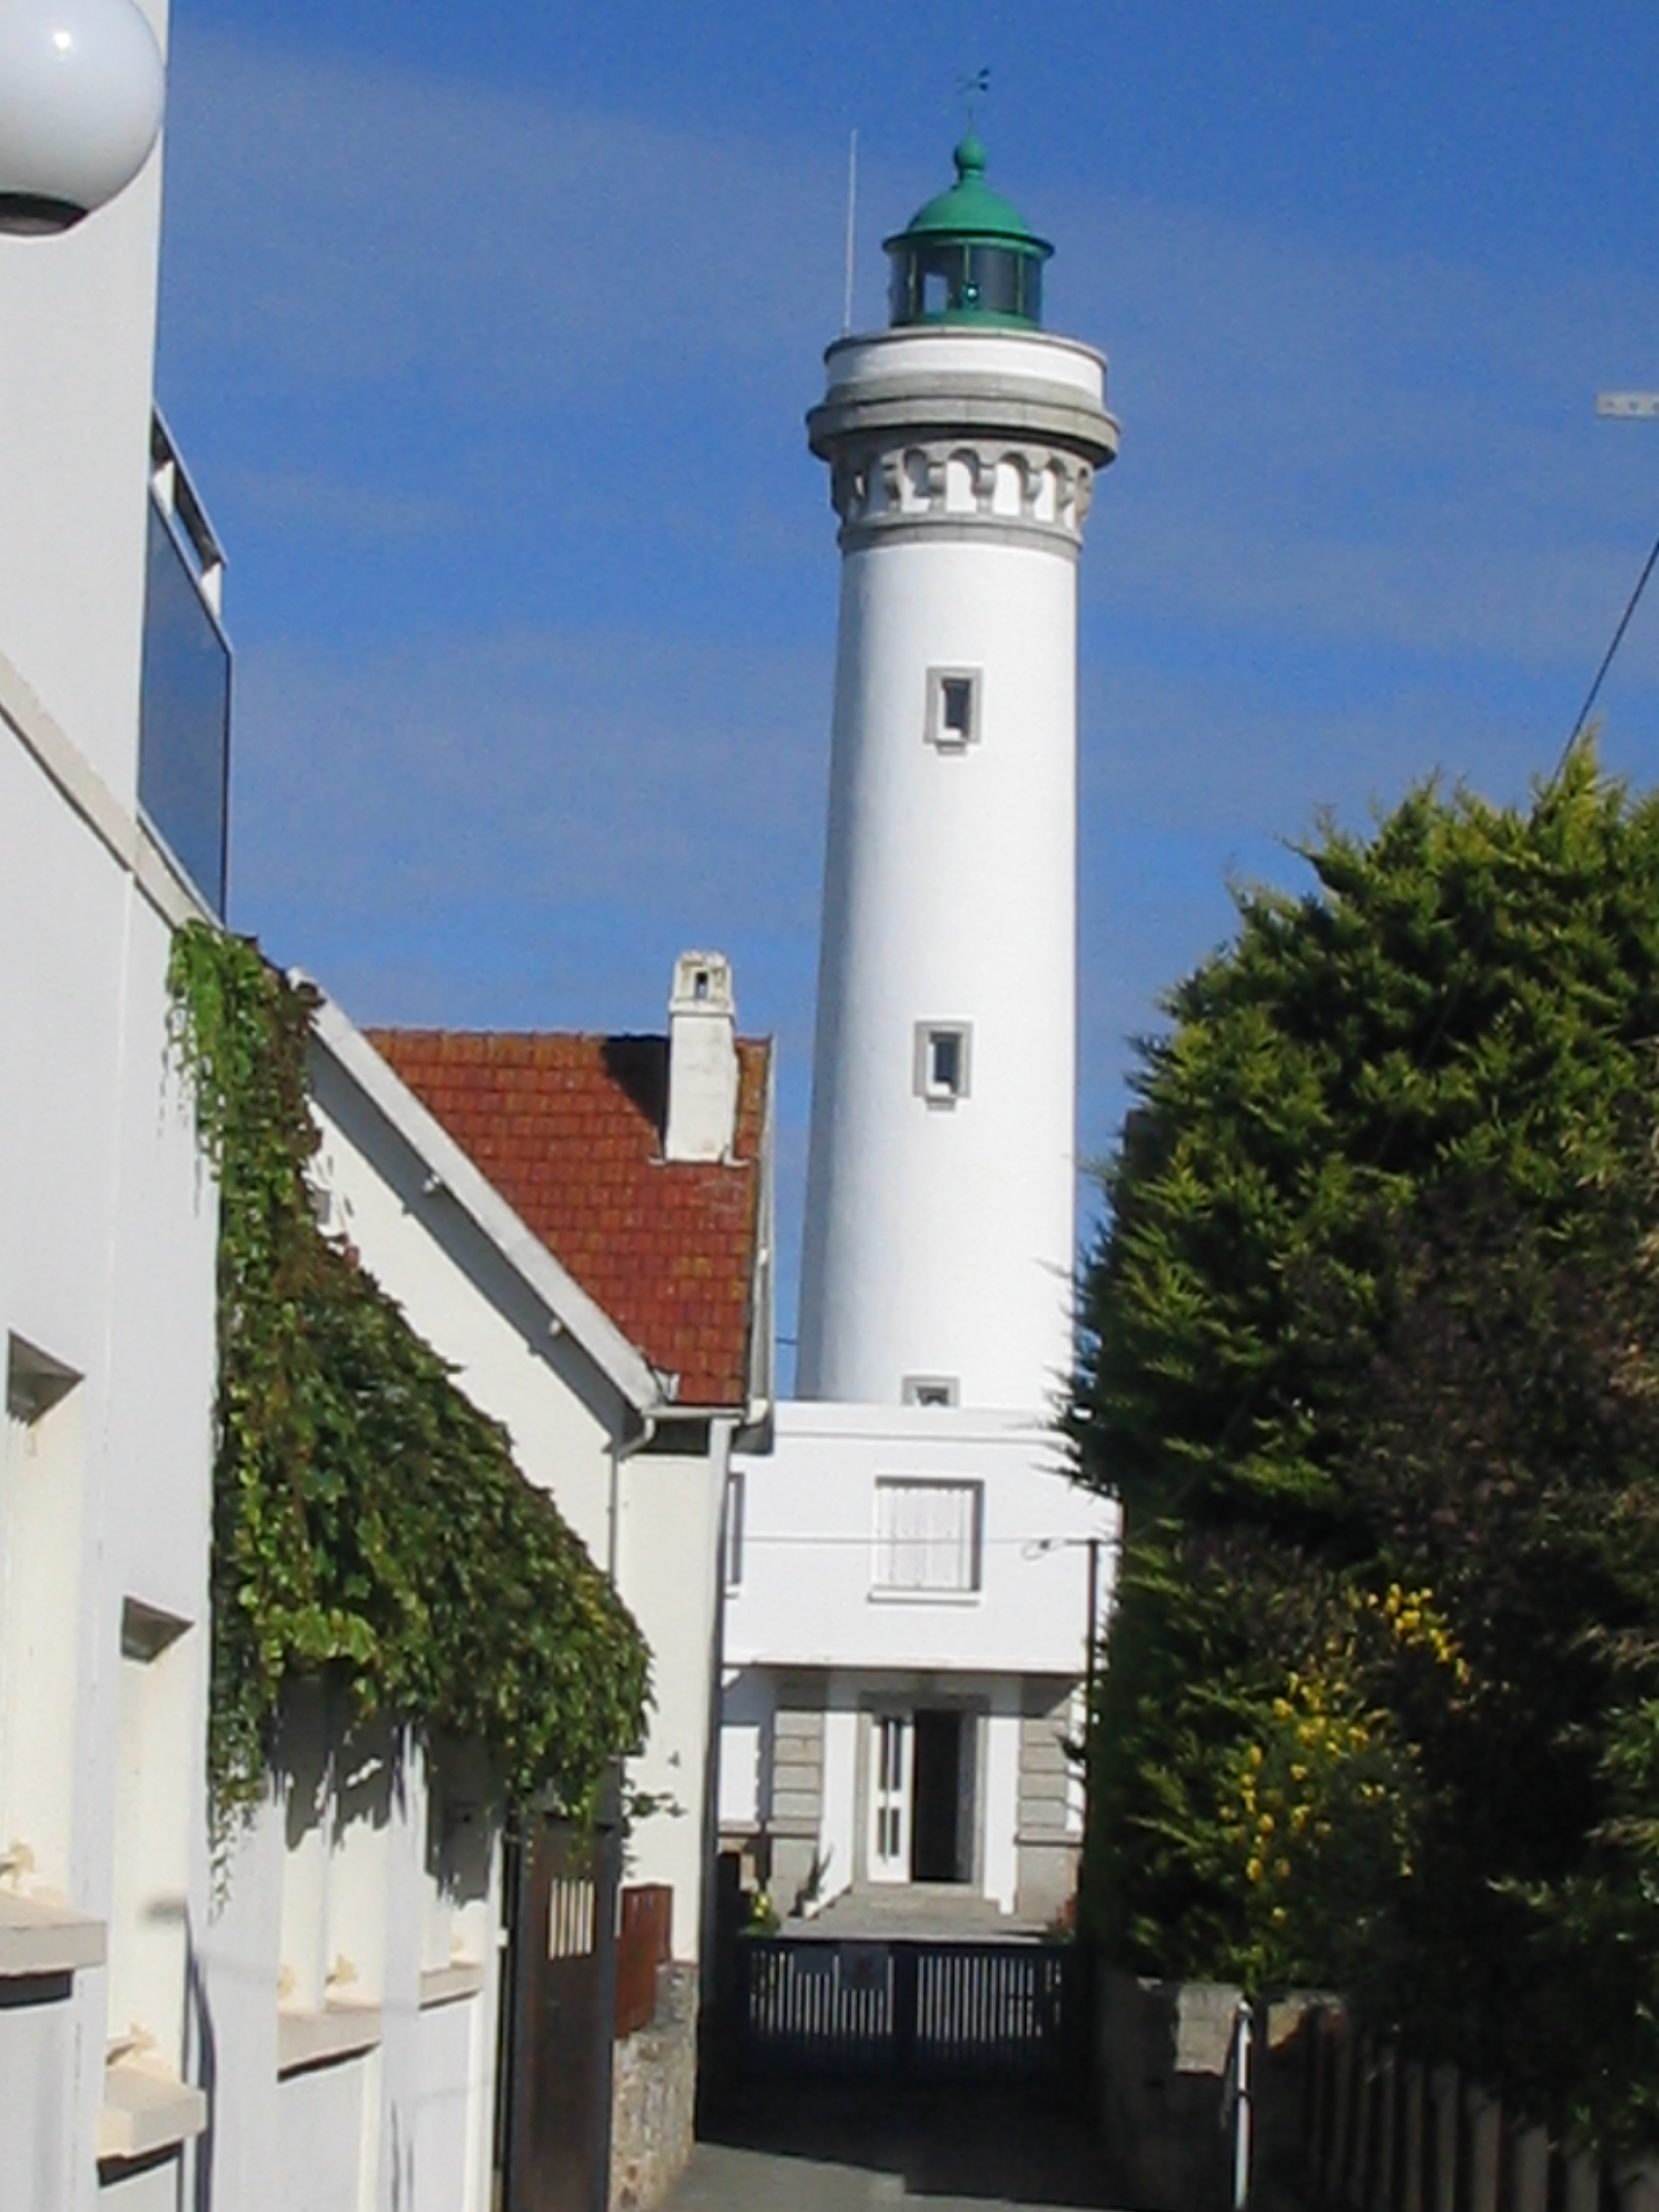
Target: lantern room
(967, 257)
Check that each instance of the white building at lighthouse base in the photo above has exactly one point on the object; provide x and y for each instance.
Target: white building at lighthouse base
(910, 1592)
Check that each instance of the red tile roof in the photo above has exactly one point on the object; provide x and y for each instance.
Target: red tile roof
(568, 1129)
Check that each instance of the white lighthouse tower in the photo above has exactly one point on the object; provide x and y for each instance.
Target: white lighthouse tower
(911, 1578)
(963, 443)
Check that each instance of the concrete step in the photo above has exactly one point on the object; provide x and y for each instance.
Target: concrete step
(933, 1911)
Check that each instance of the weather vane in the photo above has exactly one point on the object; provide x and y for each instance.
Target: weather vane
(973, 89)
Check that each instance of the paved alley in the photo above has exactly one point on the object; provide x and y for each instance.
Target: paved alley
(821, 2149)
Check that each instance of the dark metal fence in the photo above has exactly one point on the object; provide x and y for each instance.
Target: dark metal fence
(907, 2009)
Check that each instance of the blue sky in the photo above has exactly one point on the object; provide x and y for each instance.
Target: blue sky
(488, 331)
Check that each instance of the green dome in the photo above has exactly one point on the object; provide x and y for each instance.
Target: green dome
(970, 209)
(969, 256)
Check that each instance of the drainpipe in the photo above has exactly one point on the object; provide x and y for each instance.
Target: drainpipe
(722, 1435)
(618, 1454)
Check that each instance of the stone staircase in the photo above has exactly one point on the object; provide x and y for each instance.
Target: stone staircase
(923, 1911)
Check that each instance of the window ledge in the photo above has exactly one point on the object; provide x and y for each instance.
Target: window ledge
(443, 1986)
(37, 1938)
(338, 2031)
(146, 2109)
(926, 1597)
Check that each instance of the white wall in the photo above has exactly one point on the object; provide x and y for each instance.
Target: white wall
(77, 348)
(107, 1244)
(806, 1598)
(950, 897)
(668, 1570)
(353, 1977)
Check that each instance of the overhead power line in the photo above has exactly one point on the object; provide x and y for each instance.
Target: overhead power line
(1594, 692)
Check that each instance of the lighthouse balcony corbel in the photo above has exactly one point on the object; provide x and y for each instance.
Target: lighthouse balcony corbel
(993, 483)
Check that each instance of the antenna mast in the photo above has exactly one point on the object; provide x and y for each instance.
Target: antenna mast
(852, 212)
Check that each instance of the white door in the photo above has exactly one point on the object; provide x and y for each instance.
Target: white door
(892, 1749)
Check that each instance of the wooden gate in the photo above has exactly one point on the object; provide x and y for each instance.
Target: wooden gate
(560, 2020)
(904, 2010)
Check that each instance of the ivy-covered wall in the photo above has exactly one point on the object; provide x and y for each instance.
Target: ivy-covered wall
(369, 1521)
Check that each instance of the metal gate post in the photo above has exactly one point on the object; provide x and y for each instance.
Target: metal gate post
(906, 1979)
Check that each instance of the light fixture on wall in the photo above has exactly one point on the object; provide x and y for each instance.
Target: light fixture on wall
(81, 87)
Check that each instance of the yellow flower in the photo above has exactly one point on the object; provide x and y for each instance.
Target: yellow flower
(1253, 1871)
(1282, 1867)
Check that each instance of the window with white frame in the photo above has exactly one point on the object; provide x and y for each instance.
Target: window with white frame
(942, 1056)
(953, 707)
(926, 1535)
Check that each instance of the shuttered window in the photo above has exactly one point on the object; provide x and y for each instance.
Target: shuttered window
(926, 1535)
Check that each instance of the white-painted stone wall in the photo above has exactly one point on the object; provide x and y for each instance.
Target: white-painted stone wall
(355, 1952)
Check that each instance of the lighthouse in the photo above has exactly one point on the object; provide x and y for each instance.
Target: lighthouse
(910, 1580)
(963, 442)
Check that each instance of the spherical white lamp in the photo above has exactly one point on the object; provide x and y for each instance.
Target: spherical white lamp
(81, 87)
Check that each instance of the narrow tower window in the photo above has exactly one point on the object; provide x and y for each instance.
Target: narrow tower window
(930, 1390)
(953, 707)
(941, 1061)
(732, 1536)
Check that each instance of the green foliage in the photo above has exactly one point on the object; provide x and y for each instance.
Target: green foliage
(1472, 992)
(1374, 1336)
(368, 1520)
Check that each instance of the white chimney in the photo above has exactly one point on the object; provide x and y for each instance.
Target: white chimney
(702, 1059)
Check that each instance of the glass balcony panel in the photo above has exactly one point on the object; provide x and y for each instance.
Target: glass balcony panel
(184, 728)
